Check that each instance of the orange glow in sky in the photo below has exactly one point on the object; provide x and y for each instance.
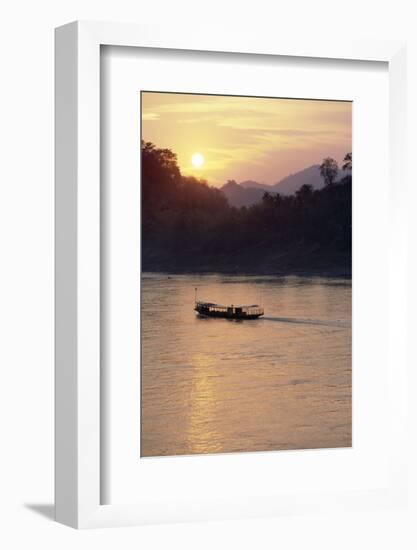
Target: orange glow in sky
(226, 137)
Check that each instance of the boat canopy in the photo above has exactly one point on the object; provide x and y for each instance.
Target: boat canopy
(253, 309)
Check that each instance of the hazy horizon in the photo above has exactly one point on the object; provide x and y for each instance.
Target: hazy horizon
(246, 138)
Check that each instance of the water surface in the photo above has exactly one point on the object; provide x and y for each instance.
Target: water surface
(216, 385)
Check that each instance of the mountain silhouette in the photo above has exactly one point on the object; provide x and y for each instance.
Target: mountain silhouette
(290, 184)
(238, 196)
(250, 192)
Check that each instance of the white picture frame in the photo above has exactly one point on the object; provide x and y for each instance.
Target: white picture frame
(78, 405)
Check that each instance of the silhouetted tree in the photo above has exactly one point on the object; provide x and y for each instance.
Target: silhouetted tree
(305, 193)
(160, 175)
(268, 199)
(347, 162)
(329, 170)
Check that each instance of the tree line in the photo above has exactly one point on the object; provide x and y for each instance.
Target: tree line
(189, 225)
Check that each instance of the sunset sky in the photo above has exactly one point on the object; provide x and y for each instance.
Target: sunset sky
(223, 137)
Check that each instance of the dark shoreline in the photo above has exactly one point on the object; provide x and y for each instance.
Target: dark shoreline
(325, 274)
(301, 261)
(330, 272)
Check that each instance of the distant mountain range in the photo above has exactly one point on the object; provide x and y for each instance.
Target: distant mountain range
(250, 192)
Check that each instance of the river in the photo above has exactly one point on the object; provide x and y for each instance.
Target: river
(281, 382)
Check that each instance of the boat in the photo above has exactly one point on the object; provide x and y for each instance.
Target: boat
(208, 309)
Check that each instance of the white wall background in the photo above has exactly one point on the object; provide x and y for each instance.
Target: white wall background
(26, 255)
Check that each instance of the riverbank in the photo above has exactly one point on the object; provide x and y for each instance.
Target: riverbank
(300, 260)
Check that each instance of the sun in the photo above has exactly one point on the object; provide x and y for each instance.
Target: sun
(197, 160)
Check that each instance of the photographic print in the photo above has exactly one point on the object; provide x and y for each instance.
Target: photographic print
(246, 247)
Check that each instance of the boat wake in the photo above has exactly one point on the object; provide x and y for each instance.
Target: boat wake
(335, 324)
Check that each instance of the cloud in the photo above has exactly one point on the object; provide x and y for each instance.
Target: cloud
(150, 116)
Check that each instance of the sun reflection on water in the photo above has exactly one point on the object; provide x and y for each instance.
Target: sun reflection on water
(201, 436)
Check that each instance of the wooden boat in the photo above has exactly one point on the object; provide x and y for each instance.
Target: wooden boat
(208, 309)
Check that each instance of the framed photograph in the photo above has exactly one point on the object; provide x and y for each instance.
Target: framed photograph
(230, 292)
(277, 254)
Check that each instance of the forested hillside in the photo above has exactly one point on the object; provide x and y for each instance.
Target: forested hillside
(189, 226)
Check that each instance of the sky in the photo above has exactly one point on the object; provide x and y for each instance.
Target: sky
(246, 138)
